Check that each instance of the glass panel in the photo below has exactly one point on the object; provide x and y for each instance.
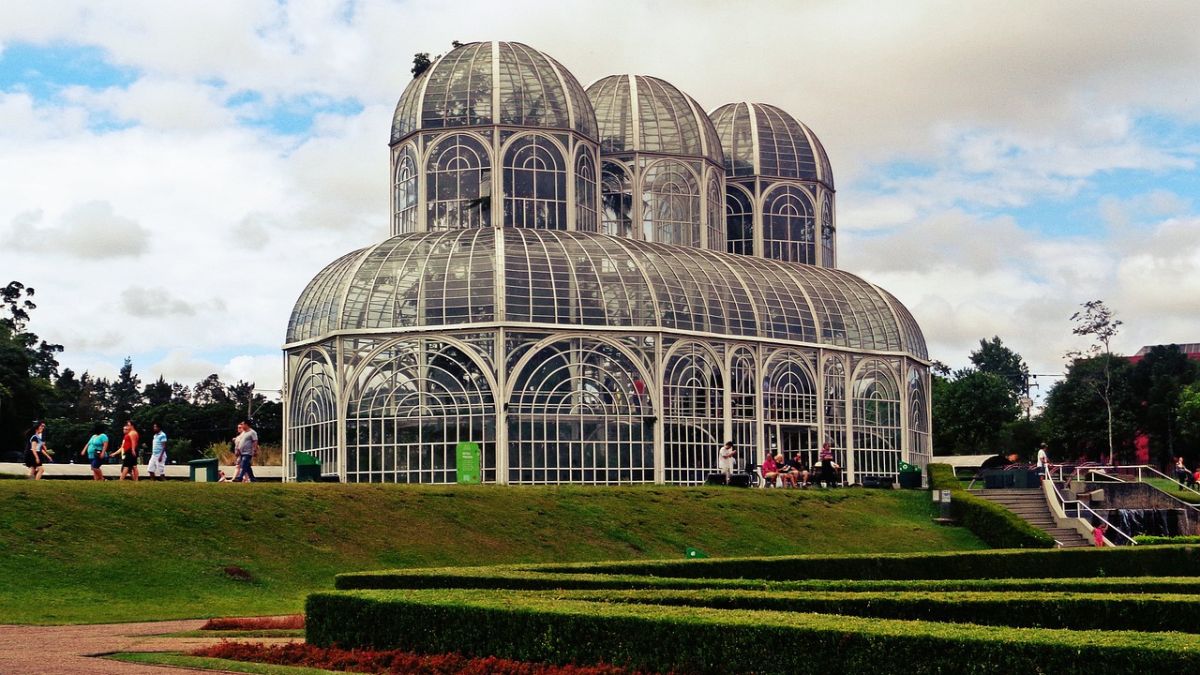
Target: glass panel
(693, 404)
(535, 185)
(406, 191)
(459, 176)
(671, 204)
(788, 226)
(312, 410)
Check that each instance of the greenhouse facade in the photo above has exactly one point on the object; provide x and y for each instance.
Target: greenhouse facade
(597, 286)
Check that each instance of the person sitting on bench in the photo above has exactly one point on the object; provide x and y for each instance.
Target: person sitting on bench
(799, 466)
(787, 473)
(769, 470)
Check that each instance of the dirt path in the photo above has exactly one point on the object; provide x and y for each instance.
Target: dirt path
(71, 650)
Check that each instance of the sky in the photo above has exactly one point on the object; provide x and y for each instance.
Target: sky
(172, 174)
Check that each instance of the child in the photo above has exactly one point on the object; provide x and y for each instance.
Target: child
(1098, 534)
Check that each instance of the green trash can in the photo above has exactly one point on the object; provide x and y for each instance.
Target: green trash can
(308, 468)
(203, 470)
(910, 476)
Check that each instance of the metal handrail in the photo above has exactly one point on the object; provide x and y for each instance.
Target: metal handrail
(1139, 468)
(1080, 505)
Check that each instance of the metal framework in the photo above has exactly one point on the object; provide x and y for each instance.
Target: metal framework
(558, 290)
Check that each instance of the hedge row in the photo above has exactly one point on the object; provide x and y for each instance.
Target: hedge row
(543, 627)
(989, 521)
(1151, 540)
(1137, 612)
(1125, 561)
(516, 578)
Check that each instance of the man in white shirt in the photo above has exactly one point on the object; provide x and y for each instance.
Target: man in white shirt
(725, 461)
(158, 454)
(1043, 461)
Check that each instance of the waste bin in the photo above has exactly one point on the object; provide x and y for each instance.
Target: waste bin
(308, 468)
(203, 470)
(909, 476)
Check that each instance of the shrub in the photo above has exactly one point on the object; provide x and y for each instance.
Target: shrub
(556, 629)
(255, 623)
(991, 522)
(1151, 540)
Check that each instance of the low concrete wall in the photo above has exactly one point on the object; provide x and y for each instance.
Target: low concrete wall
(174, 471)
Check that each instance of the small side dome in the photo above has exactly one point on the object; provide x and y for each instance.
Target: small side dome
(638, 113)
(484, 83)
(760, 139)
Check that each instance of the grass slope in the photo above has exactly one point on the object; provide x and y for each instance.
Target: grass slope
(80, 552)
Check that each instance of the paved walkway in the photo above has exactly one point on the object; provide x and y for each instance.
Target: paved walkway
(71, 650)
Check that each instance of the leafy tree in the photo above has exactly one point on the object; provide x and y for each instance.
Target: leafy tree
(1073, 422)
(421, 63)
(158, 392)
(210, 390)
(126, 393)
(1157, 381)
(993, 357)
(1097, 322)
(1188, 413)
(971, 411)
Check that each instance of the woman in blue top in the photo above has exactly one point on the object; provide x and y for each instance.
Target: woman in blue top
(35, 454)
(96, 450)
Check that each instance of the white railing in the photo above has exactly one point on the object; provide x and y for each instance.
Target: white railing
(1079, 507)
(1142, 471)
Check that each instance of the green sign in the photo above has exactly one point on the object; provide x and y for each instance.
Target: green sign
(692, 552)
(468, 463)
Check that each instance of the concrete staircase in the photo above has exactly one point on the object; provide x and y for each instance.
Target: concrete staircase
(1030, 504)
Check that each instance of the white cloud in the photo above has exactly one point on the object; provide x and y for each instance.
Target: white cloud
(90, 231)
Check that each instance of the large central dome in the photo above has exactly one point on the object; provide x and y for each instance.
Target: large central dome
(505, 83)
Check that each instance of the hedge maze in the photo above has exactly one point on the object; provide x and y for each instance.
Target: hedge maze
(1052, 611)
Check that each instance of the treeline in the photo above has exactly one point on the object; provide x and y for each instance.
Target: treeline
(33, 386)
(1154, 404)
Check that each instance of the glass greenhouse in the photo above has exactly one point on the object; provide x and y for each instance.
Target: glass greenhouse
(601, 320)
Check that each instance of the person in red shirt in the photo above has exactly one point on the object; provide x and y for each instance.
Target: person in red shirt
(129, 458)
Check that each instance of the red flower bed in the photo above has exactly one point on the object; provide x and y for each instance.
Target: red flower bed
(255, 623)
(390, 661)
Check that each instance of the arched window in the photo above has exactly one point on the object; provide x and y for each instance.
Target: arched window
(415, 401)
(743, 405)
(405, 217)
(616, 192)
(312, 410)
(715, 214)
(876, 420)
(585, 192)
(580, 412)
(834, 400)
(671, 205)
(694, 414)
(460, 184)
(828, 233)
(739, 221)
(535, 185)
(788, 226)
(918, 417)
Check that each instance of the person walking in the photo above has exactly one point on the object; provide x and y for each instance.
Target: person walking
(36, 455)
(245, 447)
(1043, 462)
(96, 450)
(725, 461)
(129, 458)
(157, 468)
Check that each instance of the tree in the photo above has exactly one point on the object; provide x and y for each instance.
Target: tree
(421, 63)
(1188, 413)
(158, 392)
(972, 411)
(993, 357)
(126, 393)
(1157, 381)
(1072, 421)
(1097, 322)
(210, 390)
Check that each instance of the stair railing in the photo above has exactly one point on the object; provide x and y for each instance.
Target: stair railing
(1142, 471)
(1073, 508)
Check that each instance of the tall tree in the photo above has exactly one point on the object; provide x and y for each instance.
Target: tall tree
(1072, 420)
(971, 412)
(158, 392)
(126, 393)
(994, 357)
(1158, 380)
(210, 390)
(1097, 322)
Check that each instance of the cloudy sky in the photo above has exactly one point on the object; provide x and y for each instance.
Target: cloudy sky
(173, 173)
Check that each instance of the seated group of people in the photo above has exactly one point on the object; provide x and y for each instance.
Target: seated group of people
(794, 471)
(1184, 475)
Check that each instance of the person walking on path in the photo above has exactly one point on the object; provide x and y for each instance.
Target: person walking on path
(36, 455)
(725, 461)
(245, 447)
(1043, 462)
(96, 451)
(129, 458)
(157, 468)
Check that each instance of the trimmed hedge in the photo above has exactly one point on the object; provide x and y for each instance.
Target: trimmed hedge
(1151, 540)
(529, 627)
(516, 578)
(1136, 612)
(1124, 561)
(987, 520)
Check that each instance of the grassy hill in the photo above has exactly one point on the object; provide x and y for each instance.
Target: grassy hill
(96, 552)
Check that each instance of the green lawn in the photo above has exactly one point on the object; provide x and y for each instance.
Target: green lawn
(82, 552)
(1172, 488)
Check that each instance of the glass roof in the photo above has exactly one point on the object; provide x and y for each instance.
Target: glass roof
(494, 83)
(761, 139)
(584, 279)
(667, 120)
